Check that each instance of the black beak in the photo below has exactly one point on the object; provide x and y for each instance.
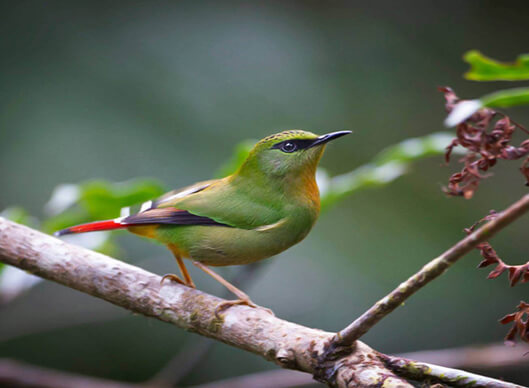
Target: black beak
(328, 137)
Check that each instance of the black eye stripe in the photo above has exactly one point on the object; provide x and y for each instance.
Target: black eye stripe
(299, 143)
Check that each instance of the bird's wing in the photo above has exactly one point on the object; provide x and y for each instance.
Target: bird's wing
(162, 211)
(167, 216)
(231, 205)
(171, 198)
(216, 200)
(165, 210)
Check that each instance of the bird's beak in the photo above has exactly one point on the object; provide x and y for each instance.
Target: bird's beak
(328, 137)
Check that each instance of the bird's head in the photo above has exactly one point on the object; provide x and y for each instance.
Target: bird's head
(287, 152)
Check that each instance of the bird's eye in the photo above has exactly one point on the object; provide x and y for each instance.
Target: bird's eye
(289, 147)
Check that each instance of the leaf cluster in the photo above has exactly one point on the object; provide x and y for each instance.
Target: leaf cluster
(520, 322)
(517, 273)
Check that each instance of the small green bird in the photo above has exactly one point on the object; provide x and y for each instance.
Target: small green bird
(269, 204)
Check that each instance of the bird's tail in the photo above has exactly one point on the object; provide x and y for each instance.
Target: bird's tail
(92, 227)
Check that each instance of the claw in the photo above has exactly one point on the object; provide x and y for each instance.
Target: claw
(176, 278)
(173, 278)
(245, 302)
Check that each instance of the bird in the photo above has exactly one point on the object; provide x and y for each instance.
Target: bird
(269, 204)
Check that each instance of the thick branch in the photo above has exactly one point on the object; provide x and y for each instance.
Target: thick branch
(287, 344)
(486, 357)
(428, 273)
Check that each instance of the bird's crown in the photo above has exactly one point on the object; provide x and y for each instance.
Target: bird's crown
(288, 135)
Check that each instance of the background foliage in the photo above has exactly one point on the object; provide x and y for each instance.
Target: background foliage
(115, 92)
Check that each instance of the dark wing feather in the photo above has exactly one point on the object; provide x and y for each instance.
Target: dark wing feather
(168, 216)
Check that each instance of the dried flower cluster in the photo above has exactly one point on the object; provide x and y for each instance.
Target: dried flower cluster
(520, 322)
(486, 135)
(517, 273)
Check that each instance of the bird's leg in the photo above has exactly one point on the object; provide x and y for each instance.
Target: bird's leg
(244, 299)
(183, 269)
(187, 278)
(240, 294)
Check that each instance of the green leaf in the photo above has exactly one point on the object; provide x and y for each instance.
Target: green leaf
(96, 200)
(487, 69)
(104, 200)
(506, 98)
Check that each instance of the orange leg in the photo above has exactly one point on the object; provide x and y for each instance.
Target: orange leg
(187, 278)
(244, 299)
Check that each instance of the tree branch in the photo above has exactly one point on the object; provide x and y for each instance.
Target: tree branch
(287, 344)
(428, 273)
(477, 358)
(422, 370)
(486, 357)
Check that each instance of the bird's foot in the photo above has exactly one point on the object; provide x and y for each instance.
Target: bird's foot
(175, 278)
(243, 301)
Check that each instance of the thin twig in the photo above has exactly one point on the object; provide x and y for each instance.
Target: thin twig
(491, 357)
(428, 273)
(453, 377)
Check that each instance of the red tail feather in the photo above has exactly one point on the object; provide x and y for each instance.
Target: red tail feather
(91, 227)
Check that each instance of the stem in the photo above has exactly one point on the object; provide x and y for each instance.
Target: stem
(428, 273)
(452, 377)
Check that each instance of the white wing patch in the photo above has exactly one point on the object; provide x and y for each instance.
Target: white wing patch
(145, 206)
(124, 212)
(184, 193)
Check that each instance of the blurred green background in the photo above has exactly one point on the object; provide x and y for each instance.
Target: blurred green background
(167, 89)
